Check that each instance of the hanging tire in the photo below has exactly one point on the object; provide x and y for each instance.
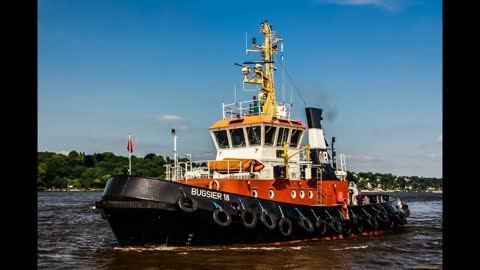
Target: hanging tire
(335, 226)
(306, 224)
(249, 218)
(406, 210)
(186, 204)
(285, 226)
(391, 222)
(269, 220)
(372, 222)
(357, 225)
(400, 218)
(347, 228)
(321, 226)
(382, 217)
(221, 217)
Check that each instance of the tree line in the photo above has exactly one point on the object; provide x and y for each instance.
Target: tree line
(86, 172)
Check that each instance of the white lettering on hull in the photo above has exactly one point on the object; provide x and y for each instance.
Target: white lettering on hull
(210, 194)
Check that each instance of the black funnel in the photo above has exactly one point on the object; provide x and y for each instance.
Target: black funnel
(314, 116)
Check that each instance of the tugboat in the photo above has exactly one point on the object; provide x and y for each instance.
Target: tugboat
(263, 187)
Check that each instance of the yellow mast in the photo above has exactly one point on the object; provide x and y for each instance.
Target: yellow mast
(261, 77)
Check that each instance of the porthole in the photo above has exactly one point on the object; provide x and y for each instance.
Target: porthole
(310, 194)
(254, 193)
(302, 194)
(293, 193)
(271, 194)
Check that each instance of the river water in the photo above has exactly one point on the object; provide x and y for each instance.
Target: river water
(73, 235)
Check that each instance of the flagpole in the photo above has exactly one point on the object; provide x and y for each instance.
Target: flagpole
(130, 150)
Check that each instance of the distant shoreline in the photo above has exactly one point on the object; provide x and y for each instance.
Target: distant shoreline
(72, 190)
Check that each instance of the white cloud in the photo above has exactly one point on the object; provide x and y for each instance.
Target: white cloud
(391, 5)
(169, 118)
(440, 139)
(64, 152)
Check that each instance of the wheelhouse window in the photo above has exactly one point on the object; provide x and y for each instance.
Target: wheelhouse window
(295, 138)
(270, 135)
(238, 137)
(254, 135)
(222, 138)
(282, 136)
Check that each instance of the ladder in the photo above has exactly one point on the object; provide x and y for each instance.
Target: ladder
(319, 187)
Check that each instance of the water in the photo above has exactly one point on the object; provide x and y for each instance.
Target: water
(72, 235)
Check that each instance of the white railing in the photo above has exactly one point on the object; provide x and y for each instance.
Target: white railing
(185, 170)
(244, 108)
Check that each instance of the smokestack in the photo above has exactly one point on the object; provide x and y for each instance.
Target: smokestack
(316, 138)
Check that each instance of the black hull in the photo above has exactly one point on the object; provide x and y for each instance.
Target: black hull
(144, 211)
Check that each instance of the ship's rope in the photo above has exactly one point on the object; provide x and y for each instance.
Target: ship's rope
(353, 213)
(291, 80)
(241, 203)
(281, 212)
(314, 214)
(366, 213)
(261, 207)
(217, 206)
(300, 213)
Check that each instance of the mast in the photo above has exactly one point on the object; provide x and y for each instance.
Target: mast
(263, 70)
(174, 154)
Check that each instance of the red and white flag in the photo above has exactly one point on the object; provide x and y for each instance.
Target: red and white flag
(130, 143)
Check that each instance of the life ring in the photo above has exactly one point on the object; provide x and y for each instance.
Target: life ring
(249, 218)
(335, 225)
(221, 217)
(285, 226)
(268, 219)
(321, 226)
(214, 184)
(306, 224)
(401, 219)
(186, 204)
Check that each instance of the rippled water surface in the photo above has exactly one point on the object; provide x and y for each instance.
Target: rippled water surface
(73, 235)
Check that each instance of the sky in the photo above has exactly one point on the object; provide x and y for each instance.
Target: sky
(107, 68)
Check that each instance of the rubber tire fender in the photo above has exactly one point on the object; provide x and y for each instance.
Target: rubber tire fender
(401, 219)
(221, 221)
(335, 226)
(269, 220)
(357, 225)
(347, 228)
(249, 218)
(391, 222)
(382, 217)
(187, 204)
(306, 224)
(372, 222)
(321, 226)
(284, 221)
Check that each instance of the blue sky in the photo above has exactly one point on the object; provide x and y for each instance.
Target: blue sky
(107, 68)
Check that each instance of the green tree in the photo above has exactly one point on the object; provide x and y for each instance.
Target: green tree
(89, 161)
(42, 169)
(150, 156)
